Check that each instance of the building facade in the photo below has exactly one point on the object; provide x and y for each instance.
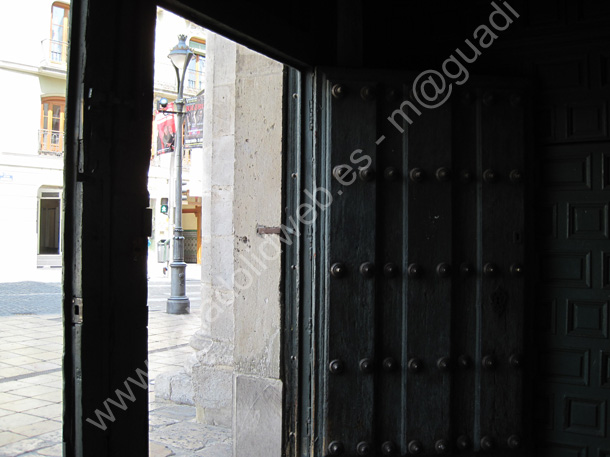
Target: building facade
(33, 76)
(160, 175)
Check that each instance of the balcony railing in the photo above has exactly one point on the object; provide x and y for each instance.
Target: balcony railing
(194, 80)
(165, 79)
(50, 142)
(54, 53)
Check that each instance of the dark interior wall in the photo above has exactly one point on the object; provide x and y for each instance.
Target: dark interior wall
(389, 34)
(297, 33)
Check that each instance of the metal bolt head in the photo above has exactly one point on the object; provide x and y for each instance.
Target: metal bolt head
(467, 98)
(444, 363)
(363, 448)
(443, 270)
(516, 99)
(415, 447)
(487, 443)
(390, 174)
(367, 269)
(336, 448)
(389, 364)
(463, 443)
(516, 269)
(490, 176)
(466, 176)
(415, 365)
(392, 94)
(489, 269)
(338, 91)
(336, 366)
(514, 441)
(515, 360)
(516, 176)
(338, 270)
(443, 174)
(341, 172)
(466, 269)
(390, 270)
(488, 98)
(367, 174)
(367, 93)
(417, 175)
(366, 365)
(412, 95)
(441, 446)
(388, 448)
(489, 362)
(464, 361)
(414, 270)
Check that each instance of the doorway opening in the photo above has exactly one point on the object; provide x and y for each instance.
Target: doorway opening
(49, 227)
(208, 363)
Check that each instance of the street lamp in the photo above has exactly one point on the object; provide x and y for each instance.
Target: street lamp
(178, 302)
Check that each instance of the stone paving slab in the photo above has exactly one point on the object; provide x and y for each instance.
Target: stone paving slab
(185, 437)
(31, 380)
(29, 297)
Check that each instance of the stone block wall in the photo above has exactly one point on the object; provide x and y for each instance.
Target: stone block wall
(236, 369)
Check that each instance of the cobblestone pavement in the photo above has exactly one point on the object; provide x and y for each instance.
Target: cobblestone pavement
(29, 297)
(30, 372)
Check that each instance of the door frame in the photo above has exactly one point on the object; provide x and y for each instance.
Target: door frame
(107, 146)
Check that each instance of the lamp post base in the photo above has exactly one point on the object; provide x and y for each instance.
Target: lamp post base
(178, 305)
(178, 302)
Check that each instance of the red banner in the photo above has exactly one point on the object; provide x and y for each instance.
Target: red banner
(166, 130)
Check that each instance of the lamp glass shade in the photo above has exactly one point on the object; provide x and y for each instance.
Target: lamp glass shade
(178, 59)
(180, 53)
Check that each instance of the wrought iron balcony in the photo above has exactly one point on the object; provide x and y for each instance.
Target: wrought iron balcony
(54, 53)
(50, 142)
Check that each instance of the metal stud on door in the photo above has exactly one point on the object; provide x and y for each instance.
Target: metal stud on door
(350, 305)
(422, 299)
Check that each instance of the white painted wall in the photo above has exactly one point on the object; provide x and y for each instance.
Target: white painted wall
(26, 75)
(24, 80)
(26, 24)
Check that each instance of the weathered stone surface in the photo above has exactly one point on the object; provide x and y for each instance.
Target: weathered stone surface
(222, 205)
(158, 450)
(212, 352)
(241, 327)
(258, 417)
(217, 320)
(175, 386)
(190, 437)
(213, 394)
(258, 156)
(216, 450)
(223, 163)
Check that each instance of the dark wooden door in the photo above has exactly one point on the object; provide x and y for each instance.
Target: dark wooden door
(421, 258)
(573, 292)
